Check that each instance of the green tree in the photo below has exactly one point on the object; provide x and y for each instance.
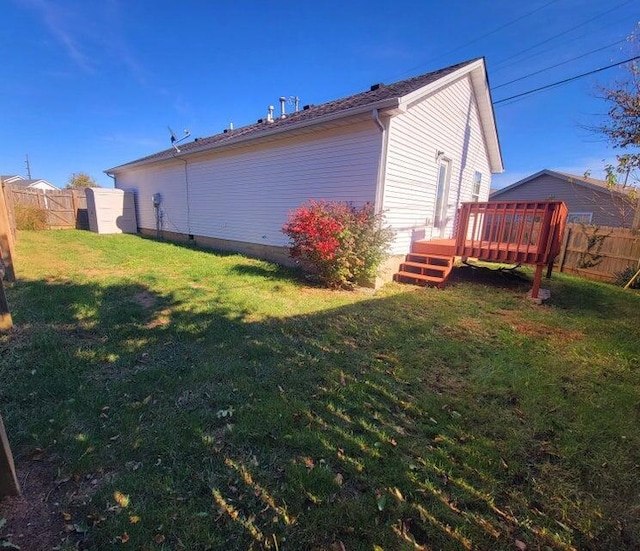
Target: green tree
(81, 179)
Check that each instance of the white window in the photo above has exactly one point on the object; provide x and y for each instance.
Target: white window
(580, 217)
(477, 182)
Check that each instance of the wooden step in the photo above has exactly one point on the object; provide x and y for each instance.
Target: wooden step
(443, 247)
(435, 259)
(417, 279)
(424, 269)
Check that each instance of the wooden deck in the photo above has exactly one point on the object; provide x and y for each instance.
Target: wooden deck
(527, 232)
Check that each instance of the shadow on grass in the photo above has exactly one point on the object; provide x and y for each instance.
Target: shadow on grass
(271, 272)
(348, 427)
(507, 279)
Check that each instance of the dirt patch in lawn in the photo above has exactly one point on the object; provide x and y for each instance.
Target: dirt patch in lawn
(144, 299)
(533, 329)
(46, 516)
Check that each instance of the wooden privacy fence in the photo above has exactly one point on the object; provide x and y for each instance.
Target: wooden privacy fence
(64, 208)
(598, 253)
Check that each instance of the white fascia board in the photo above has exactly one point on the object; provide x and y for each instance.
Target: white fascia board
(440, 83)
(479, 83)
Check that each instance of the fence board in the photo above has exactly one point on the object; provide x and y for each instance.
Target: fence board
(599, 253)
(65, 208)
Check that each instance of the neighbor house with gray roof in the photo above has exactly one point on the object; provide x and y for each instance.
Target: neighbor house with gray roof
(414, 149)
(589, 200)
(19, 181)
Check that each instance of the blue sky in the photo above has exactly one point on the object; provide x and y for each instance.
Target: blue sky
(88, 85)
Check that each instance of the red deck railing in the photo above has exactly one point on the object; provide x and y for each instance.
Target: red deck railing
(526, 232)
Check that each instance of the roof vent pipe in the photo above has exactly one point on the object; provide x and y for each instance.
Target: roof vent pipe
(270, 113)
(297, 100)
(230, 126)
(283, 112)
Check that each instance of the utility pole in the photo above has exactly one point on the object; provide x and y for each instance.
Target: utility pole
(28, 166)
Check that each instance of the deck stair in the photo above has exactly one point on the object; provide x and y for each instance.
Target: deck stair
(423, 268)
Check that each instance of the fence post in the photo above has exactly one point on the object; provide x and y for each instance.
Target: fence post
(6, 240)
(563, 249)
(9, 485)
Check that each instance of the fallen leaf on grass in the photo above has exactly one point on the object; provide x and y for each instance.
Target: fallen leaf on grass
(134, 519)
(66, 516)
(124, 538)
(520, 545)
(159, 538)
(121, 499)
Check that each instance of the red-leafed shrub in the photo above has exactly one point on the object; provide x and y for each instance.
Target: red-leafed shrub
(344, 244)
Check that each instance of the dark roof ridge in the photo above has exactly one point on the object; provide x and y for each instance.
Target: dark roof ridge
(358, 100)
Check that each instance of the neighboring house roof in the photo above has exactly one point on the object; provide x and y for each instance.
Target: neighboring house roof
(381, 96)
(31, 183)
(590, 183)
(10, 178)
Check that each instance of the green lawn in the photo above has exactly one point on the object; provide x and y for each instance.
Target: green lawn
(171, 398)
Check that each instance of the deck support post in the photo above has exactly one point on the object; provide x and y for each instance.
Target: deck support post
(536, 281)
(549, 269)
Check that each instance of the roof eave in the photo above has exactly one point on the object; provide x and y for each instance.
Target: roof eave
(479, 79)
(386, 104)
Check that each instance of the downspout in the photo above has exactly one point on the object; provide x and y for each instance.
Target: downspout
(382, 163)
(186, 184)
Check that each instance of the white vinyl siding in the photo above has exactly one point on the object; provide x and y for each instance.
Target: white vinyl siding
(446, 122)
(168, 179)
(246, 193)
(606, 208)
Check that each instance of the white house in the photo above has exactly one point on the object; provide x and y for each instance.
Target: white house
(17, 180)
(415, 149)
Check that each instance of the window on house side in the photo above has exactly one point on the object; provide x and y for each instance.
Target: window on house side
(580, 217)
(477, 181)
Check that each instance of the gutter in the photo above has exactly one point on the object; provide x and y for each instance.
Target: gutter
(391, 103)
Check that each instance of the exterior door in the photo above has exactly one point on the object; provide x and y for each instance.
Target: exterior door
(442, 197)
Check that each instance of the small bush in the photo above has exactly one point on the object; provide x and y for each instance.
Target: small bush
(344, 244)
(30, 218)
(623, 277)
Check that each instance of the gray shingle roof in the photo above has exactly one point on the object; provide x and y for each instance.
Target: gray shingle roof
(585, 181)
(371, 97)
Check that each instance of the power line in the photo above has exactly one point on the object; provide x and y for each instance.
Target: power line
(567, 80)
(473, 41)
(553, 48)
(564, 32)
(558, 64)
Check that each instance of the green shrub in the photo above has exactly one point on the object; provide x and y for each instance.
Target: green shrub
(29, 217)
(344, 244)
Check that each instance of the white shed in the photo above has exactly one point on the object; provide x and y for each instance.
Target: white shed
(111, 211)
